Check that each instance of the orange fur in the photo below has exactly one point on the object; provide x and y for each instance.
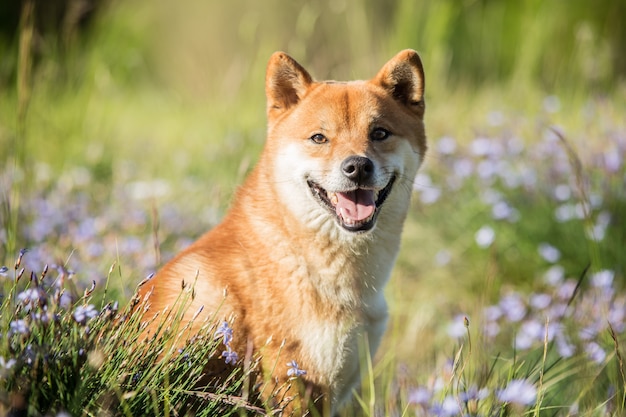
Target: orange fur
(301, 282)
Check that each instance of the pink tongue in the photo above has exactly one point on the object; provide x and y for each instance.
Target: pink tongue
(355, 205)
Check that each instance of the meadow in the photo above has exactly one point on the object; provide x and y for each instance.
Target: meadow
(123, 141)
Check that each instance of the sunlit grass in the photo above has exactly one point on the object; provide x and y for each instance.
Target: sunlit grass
(133, 146)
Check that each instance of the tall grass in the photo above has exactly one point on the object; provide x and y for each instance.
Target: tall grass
(507, 298)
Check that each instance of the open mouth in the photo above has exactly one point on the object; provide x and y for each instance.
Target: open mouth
(355, 210)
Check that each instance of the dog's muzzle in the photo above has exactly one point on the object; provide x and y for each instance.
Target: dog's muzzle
(357, 208)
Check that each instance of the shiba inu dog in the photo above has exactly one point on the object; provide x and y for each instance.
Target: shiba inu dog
(309, 243)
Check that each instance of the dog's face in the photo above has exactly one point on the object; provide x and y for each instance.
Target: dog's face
(343, 152)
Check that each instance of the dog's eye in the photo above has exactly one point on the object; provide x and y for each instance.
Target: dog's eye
(319, 138)
(379, 134)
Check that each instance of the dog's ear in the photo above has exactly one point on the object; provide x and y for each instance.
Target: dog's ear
(403, 78)
(286, 82)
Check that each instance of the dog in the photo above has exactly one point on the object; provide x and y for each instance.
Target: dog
(310, 240)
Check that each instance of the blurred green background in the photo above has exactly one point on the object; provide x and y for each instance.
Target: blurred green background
(103, 93)
(125, 76)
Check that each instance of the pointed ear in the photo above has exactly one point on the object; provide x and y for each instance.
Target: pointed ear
(286, 82)
(403, 78)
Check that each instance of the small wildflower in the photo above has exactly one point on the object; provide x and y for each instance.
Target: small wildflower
(513, 307)
(294, 370)
(84, 313)
(491, 329)
(595, 352)
(518, 391)
(554, 275)
(449, 407)
(41, 316)
(446, 145)
(566, 290)
(226, 332)
(32, 298)
(19, 326)
(492, 313)
(3, 271)
(549, 253)
(564, 347)
(457, 328)
(474, 394)
(540, 301)
(230, 356)
(6, 364)
(420, 396)
(603, 279)
(531, 332)
(503, 211)
(485, 236)
(430, 195)
(562, 192)
(65, 300)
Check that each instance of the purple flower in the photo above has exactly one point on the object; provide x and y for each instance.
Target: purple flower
(6, 364)
(65, 300)
(492, 313)
(549, 253)
(485, 236)
(540, 301)
(481, 146)
(32, 298)
(491, 329)
(19, 327)
(531, 332)
(518, 391)
(41, 316)
(430, 195)
(84, 313)
(294, 370)
(501, 210)
(564, 348)
(230, 356)
(562, 192)
(447, 408)
(513, 307)
(463, 168)
(420, 396)
(446, 145)
(226, 332)
(554, 275)
(595, 352)
(603, 279)
(3, 271)
(457, 328)
(616, 316)
(474, 394)
(566, 290)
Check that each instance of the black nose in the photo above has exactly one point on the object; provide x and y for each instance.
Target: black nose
(358, 168)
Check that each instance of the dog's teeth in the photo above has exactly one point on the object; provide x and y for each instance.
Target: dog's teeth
(333, 199)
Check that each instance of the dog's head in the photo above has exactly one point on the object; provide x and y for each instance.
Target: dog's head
(345, 154)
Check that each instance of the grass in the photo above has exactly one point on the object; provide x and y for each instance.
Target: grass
(508, 296)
